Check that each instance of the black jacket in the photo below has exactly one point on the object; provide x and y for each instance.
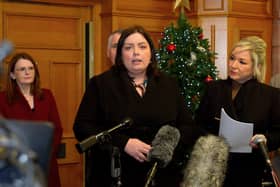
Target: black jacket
(255, 103)
(111, 97)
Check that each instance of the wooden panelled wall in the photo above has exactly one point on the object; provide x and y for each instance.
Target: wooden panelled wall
(276, 45)
(53, 31)
(54, 36)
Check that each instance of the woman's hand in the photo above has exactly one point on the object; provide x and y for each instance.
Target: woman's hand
(137, 149)
(255, 138)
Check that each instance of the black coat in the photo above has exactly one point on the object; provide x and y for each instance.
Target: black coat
(255, 103)
(109, 98)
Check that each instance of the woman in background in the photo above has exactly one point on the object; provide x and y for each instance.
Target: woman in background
(245, 98)
(24, 99)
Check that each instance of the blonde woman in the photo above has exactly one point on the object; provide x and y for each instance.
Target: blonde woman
(245, 98)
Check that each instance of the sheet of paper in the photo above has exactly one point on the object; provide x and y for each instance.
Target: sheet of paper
(236, 133)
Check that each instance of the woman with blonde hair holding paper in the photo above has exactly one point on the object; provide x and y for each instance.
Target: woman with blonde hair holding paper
(245, 98)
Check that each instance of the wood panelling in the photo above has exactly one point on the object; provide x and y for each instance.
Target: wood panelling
(66, 78)
(152, 25)
(71, 176)
(249, 7)
(54, 36)
(214, 5)
(65, 2)
(37, 27)
(276, 44)
(73, 157)
(145, 7)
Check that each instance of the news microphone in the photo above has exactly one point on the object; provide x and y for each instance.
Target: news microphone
(90, 141)
(260, 142)
(6, 48)
(208, 163)
(162, 150)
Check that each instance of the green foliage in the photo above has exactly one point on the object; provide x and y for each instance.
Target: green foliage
(184, 54)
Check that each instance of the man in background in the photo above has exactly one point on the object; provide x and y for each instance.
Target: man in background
(112, 45)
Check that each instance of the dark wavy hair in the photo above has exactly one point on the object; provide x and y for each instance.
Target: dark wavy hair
(11, 84)
(152, 67)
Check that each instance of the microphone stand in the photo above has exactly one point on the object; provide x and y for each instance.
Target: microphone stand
(151, 175)
(116, 167)
(274, 175)
(264, 150)
(101, 137)
(105, 137)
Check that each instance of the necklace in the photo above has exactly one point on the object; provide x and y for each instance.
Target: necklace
(140, 88)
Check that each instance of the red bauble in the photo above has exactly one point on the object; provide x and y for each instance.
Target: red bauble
(208, 79)
(171, 47)
(195, 98)
(200, 36)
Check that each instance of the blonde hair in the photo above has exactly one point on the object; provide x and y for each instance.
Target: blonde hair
(257, 48)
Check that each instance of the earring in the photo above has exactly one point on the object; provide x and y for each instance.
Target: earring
(12, 77)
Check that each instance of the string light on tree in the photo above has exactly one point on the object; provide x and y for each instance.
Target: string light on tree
(185, 54)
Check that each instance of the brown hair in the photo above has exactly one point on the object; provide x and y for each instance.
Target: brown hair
(11, 84)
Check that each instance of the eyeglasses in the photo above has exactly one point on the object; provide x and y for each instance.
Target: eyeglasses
(25, 69)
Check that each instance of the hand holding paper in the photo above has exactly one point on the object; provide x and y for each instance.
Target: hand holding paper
(236, 133)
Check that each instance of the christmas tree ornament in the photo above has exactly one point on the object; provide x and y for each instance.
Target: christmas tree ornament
(182, 3)
(200, 36)
(171, 47)
(193, 56)
(208, 79)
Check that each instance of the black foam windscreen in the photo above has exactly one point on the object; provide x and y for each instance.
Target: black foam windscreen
(164, 144)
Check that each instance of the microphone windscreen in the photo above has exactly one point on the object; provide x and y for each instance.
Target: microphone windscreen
(163, 145)
(208, 163)
(6, 48)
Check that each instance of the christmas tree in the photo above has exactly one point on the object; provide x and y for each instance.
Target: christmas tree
(184, 54)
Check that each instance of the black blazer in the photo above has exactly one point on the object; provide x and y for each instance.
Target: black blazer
(109, 98)
(254, 103)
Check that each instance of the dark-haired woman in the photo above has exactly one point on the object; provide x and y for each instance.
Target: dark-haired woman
(133, 88)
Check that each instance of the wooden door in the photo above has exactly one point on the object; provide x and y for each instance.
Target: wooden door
(54, 36)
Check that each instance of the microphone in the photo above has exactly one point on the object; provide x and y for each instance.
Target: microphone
(260, 142)
(162, 150)
(6, 48)
(90, 141)
(208, 163)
